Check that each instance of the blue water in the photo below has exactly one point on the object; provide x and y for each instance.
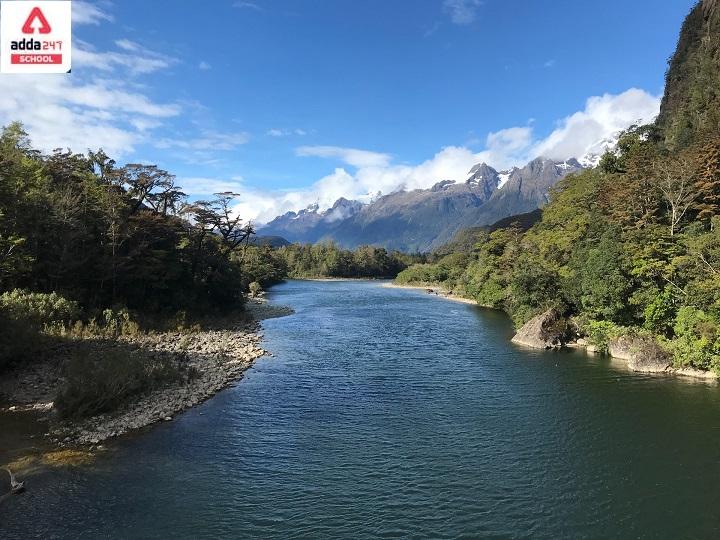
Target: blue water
(388, 413)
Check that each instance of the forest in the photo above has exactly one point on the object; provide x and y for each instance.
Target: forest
(631, 247)
(91, 245)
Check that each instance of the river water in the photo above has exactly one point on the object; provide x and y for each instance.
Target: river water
(390, 413)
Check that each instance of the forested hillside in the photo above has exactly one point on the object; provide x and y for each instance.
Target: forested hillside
(632, 246)
(99, 248)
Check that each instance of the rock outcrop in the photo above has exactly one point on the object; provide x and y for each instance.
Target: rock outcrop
(548, 330)
(642, 353)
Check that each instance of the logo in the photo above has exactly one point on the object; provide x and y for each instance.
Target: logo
(36, 17)
(35, 36)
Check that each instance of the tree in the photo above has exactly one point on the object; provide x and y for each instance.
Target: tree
(707, 181)
(675, 180)
(143, 180)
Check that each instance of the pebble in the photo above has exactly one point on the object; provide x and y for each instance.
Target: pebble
(220, 358)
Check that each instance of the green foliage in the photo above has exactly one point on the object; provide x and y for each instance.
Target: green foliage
(19, 341)
(38, 309)
(697, 340)
(329, 260)
(660, 312)
(104, 235)
(598, 278)
(421, 274)
(633, 246)
(600, 333)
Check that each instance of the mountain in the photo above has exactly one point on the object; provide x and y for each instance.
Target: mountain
(525, 190)
(691, 104)
(413, 220)
(424, 219)
(310, 225)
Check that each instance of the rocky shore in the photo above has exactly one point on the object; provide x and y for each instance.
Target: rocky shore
(641, 354)
(216, 357)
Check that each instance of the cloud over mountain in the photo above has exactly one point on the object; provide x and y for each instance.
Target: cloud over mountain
(368, 173)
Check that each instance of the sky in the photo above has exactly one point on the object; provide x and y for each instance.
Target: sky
(295, 102)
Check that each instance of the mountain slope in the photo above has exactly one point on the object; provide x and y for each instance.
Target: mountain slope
(691, 104)
(310, 225)
(424, 219)
(412, 220)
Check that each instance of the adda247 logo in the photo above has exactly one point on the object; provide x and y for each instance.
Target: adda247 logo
(35, 36)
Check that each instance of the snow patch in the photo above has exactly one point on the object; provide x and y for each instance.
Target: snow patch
(504, 177)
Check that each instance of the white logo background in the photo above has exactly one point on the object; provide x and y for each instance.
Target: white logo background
(14, 13)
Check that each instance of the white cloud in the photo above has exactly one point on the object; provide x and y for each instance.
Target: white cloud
(204, 66)
(602, 117)
(137, 59)
(87, 13)
(283, 132)
(550, 63)
(59, 113)
(462, 11)
(572, 137)
(208, 140)
(351, 156)
(203, 187)
(128, 45)
(507, 147)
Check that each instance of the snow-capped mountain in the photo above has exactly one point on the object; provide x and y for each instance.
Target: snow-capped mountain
(423, 219)
(591, 158)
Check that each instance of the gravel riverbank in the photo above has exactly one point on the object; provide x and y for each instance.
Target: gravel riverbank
(217, 357)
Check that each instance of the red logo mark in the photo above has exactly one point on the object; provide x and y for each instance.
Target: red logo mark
(31, 25)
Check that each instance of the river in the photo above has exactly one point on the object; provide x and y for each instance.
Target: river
(390, 413)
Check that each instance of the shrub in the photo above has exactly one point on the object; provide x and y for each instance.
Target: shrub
(255, 288)
(423, 274)
(98, 383)
(600, 333)
(119, 323)
(697, 340)
(38, 309)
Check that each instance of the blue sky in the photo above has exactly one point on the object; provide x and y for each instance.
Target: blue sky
(295, 101)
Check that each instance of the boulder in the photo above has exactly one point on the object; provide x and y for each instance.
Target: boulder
(548, 330)
(622, 347)
(642, 353)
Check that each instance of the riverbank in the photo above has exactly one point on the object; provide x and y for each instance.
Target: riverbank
(434, 290)
(216, 357)
(621, 356)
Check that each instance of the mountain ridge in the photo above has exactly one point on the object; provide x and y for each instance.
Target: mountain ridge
(424, 219)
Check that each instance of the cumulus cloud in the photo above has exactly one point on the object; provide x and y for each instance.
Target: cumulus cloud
(204, 66)
(462, 11)
(507, 147)
(603, 116)
(374, 172)
(350, 156)
(58, 112)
